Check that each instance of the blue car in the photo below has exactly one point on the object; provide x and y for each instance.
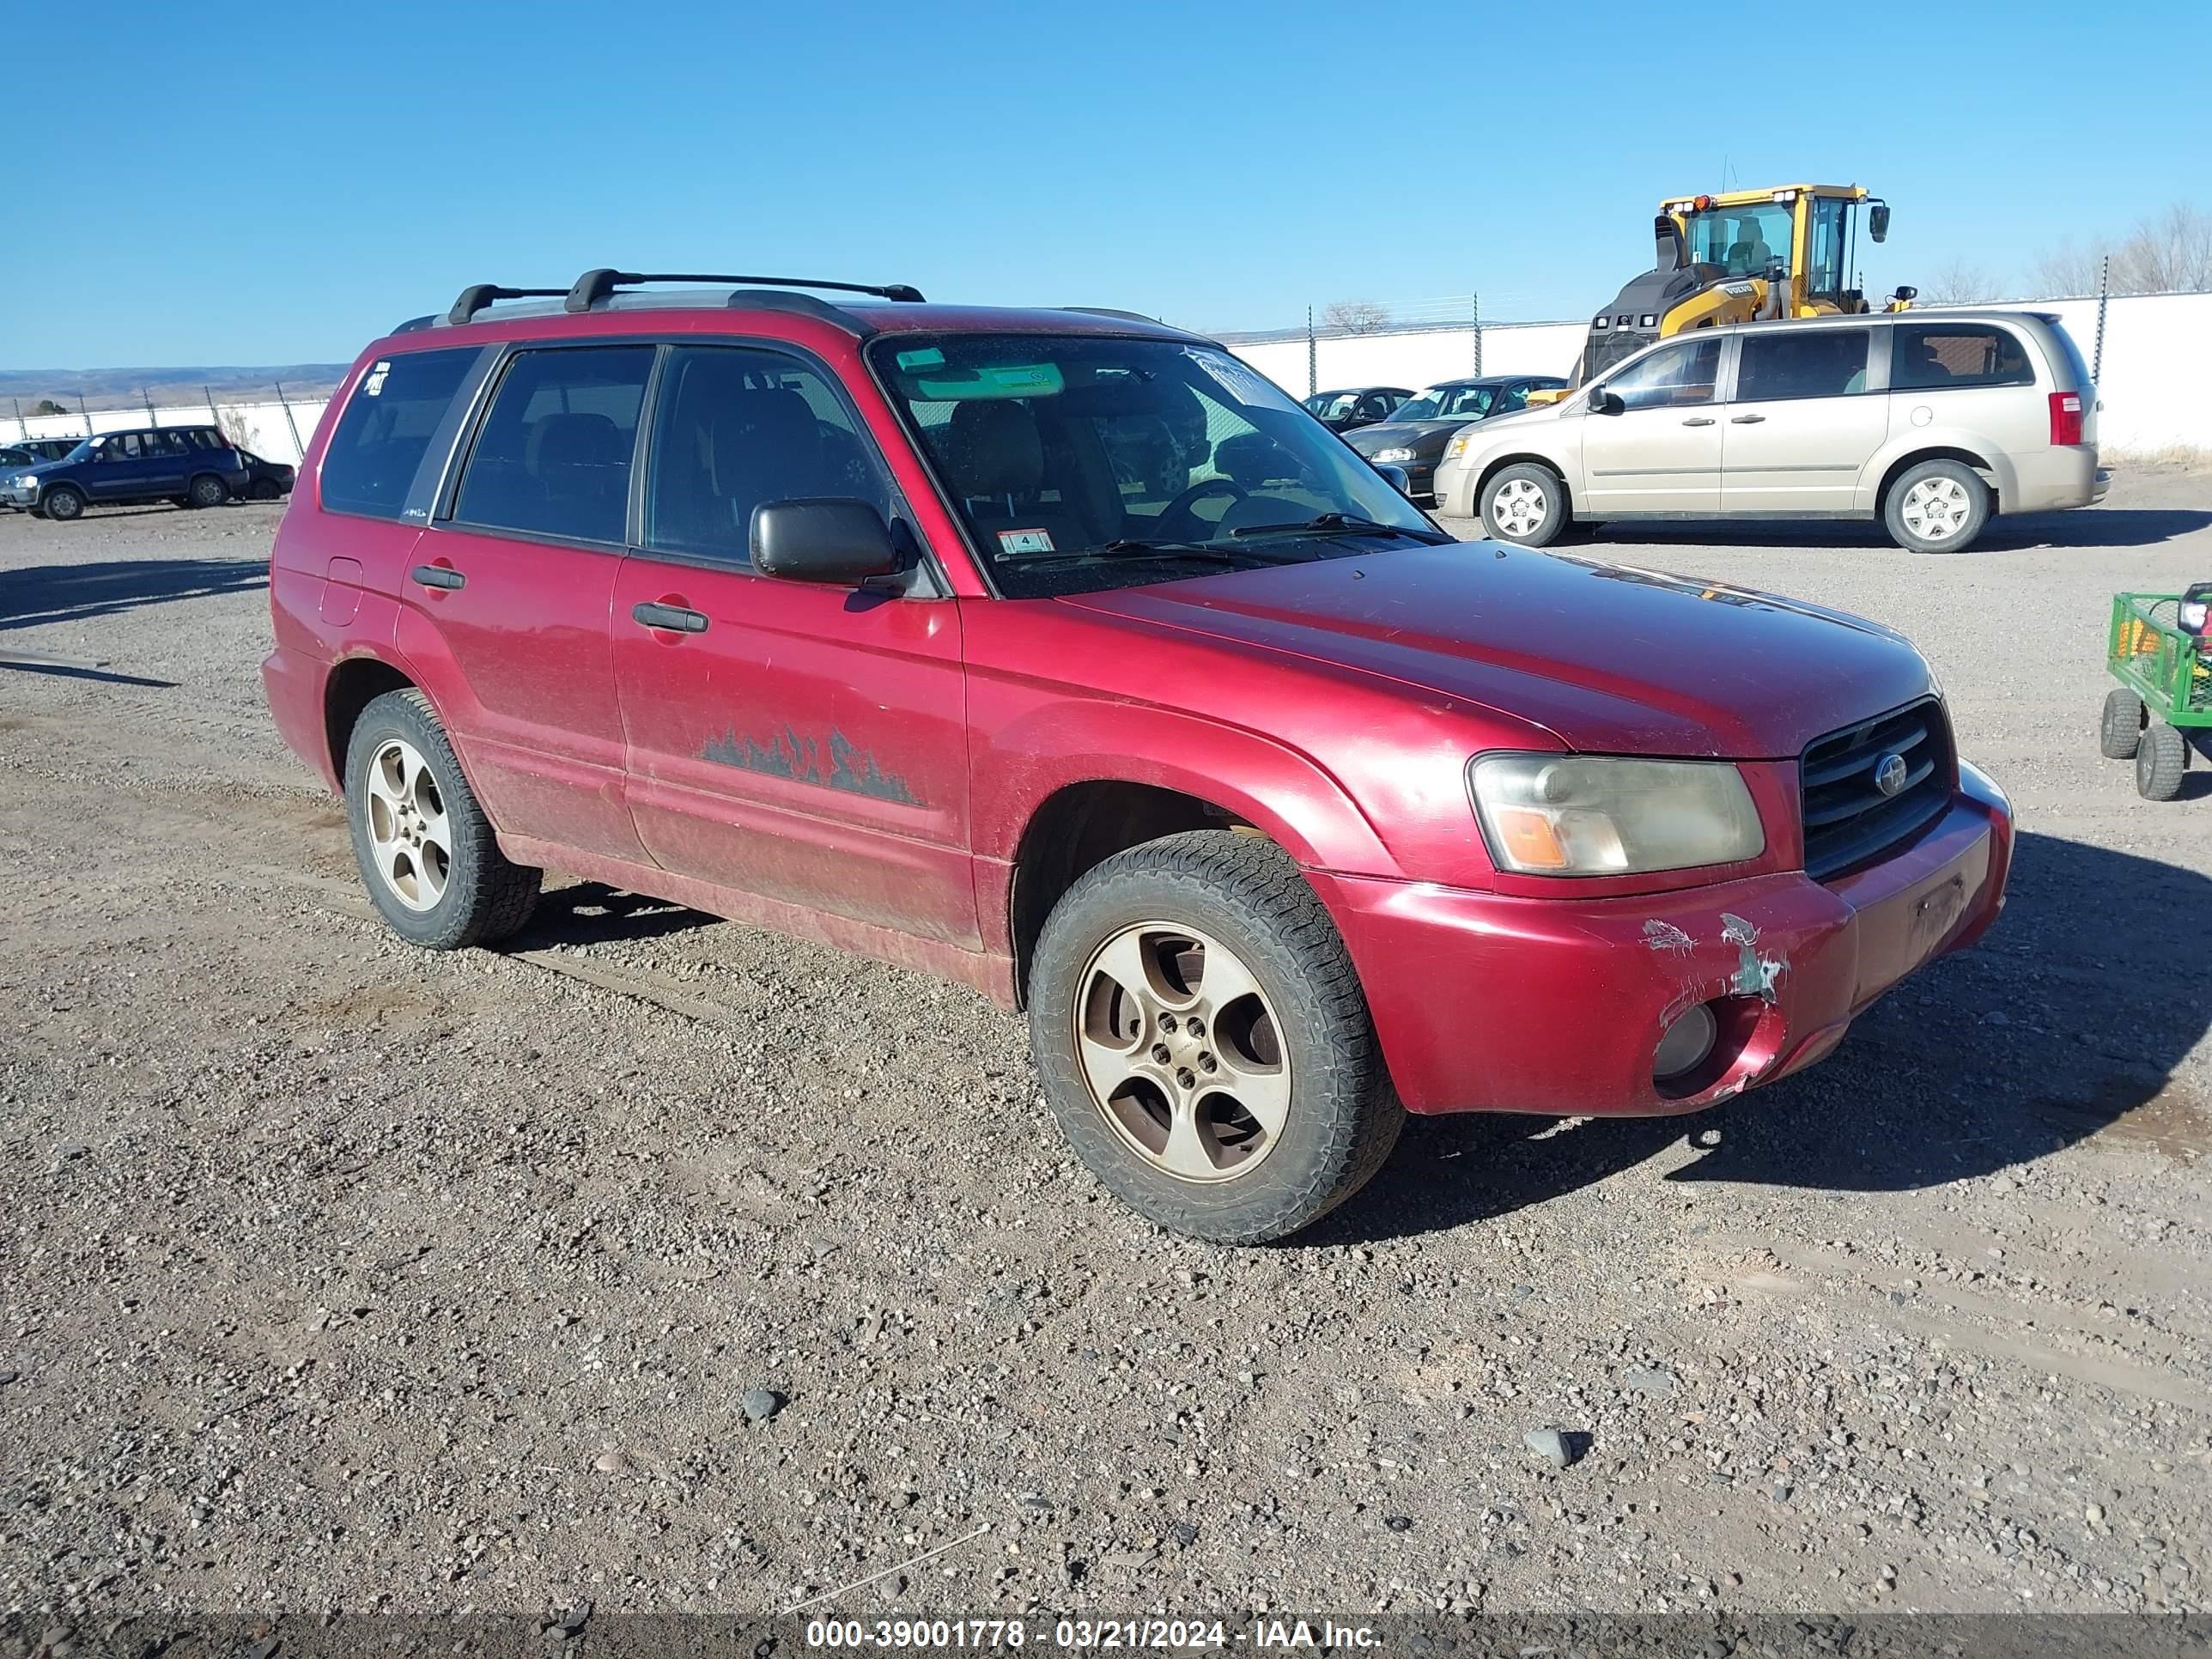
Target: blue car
(191, 465)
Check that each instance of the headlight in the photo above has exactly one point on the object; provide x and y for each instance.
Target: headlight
(1400, 454)
(28, 481)
(1567, 815)
(1461, 443)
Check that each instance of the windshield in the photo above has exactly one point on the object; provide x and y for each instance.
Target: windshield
(1083, 463)
(1742, 239)
(1447, 402)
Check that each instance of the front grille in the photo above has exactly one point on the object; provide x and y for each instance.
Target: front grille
(1848, 819)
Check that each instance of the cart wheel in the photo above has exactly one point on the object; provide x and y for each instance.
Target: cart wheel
(2160, 762)
(2122, 729)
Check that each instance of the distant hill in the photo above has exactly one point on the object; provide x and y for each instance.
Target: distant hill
(113, 388)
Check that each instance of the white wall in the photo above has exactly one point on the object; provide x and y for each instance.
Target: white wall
(2158, 361)
(2158, 364)
(268, 433)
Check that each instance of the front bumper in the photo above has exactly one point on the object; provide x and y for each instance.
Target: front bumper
(1487, 1003)
(1449, 484)
(18, 498)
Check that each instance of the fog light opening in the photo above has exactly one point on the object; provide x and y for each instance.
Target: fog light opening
(1684, 1044)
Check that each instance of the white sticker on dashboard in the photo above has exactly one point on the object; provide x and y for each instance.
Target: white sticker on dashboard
(1013, 544)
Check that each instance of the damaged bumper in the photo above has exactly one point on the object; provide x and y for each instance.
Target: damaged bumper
(1485, 1002)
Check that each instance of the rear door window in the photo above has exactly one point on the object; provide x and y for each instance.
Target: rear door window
(1810, 362)
(379, 445)
(553, 457)
(1932, 356)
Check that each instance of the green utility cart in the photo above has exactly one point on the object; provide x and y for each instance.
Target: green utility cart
(2165, 691)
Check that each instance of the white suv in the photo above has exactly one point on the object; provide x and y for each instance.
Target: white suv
(1929, 420)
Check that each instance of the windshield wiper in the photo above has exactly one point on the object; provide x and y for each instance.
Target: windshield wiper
(1142, 546)
(1334, 522)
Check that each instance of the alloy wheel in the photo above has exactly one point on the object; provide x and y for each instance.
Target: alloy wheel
(1181, 1052)
(409, 833)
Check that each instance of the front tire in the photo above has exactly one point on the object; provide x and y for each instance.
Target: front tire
(2119, 732)
(207, 491)
(1525, 503)
(63, 502)
(2161, 762)
(426, 853)
(1204, 1042)
(1937, 506)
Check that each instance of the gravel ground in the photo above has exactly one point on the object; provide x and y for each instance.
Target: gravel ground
(333, 1275)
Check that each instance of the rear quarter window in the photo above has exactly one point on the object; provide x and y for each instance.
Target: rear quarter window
(379, 445)
(1932, 356)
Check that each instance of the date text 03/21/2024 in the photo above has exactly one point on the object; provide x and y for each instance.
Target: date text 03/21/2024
(1099, 1634)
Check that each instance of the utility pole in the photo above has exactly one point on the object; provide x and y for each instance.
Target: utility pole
(2104, 296)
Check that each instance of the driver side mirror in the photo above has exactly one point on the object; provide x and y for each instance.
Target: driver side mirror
(1395, 476)
(1878, 221)
(843, 543)
(1602, 402)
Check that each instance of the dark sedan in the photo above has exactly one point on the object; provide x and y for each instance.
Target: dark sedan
(1415, 434)
(1356, 406)
(267, 481)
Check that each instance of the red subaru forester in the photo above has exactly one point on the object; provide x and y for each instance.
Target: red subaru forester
(1061, 653)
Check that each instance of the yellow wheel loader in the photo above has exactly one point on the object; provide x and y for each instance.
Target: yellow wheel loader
(1734, 258)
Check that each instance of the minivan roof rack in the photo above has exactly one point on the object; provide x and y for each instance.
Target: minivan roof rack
(477, 295)
(596, 285)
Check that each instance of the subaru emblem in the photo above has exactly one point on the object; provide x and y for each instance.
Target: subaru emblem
(1889, 774)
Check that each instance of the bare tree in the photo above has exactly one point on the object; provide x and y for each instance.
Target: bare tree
(2169, 253)
(47, 406)
(234, 426)
(1355, 316)
(1961, 282)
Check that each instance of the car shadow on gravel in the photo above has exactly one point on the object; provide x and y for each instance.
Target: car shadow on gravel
(2067, 1022)
(589, 912)
(2097, 526)
(77, 593)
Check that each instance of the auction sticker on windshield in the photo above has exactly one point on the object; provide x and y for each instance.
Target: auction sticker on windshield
(1240, 380)
(1013, 544)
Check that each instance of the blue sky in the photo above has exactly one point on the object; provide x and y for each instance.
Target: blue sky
(252, 184)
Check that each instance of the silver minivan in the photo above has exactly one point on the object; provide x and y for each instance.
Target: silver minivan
(1928, 420)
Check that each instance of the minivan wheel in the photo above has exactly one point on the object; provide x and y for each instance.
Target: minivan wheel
(1204, 1042)
(1525, 503)
(426, 853)
(2120, 731)
(1937, 506)
(208, 491)
(62, 501)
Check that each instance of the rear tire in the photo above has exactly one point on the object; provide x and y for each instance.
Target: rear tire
(1937, 506)
(2161, 762)
(1525, 503)
(207, 491)
(1203, 1040)
(427, 854)
(62, 502)
(2120, 731)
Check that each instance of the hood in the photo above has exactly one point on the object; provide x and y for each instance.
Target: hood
(1391, 435)
(1610, 659)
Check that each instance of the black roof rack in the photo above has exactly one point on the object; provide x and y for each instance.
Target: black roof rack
(477, 295)
(594, 286)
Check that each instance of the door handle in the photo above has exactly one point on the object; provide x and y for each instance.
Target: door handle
(437, 575)
(1746, 420)
(673, 618)
(1698, 419)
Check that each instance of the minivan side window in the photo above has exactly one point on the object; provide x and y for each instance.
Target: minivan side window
(379, 443)
(736, 426)
(1931, 356)
(553, 455)
(1805, 362)
(1682, 374)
